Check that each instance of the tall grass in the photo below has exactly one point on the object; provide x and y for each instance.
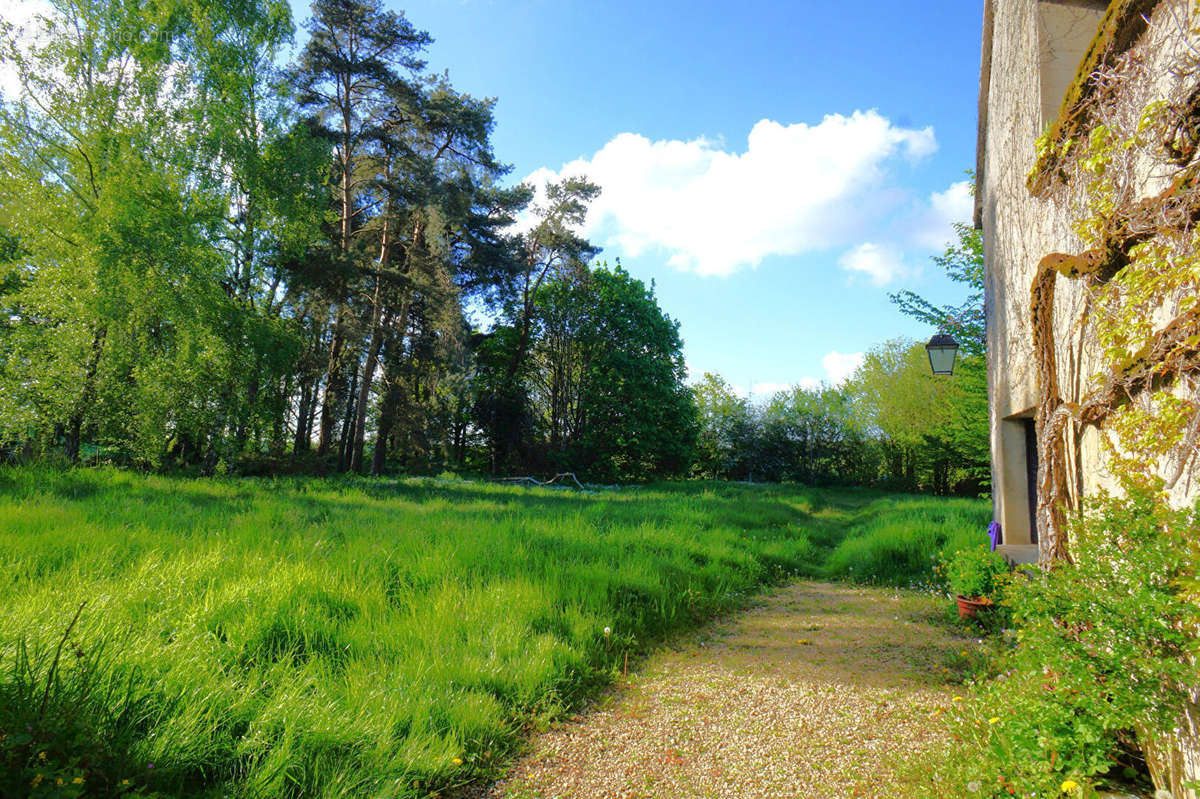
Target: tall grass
(382, 638)
(899, 539)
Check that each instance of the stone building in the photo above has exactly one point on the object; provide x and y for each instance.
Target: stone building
(1038, 57)
(1063, 80)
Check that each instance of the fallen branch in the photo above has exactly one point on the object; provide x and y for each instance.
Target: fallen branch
(540, 483)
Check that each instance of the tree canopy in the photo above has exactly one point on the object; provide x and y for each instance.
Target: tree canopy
(214, 263)
(210, 262)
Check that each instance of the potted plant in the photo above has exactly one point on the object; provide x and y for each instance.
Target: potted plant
(975, 576)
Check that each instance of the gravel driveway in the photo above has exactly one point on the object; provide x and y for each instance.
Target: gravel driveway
(808, 694)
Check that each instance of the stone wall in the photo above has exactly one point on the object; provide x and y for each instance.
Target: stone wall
(1029, 43)
(1033, 45)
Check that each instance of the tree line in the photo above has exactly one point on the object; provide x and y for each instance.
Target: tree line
(215, 262)
(892, 424)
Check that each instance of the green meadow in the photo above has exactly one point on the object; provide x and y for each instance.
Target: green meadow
(359, 638)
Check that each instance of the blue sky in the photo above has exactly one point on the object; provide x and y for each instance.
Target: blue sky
(773, 254)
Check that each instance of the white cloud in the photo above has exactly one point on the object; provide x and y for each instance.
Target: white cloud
(935, 229)
(881, 263)
(838, 367)
(22, 15)
(841, 365)
(795, 189)
(767, 389)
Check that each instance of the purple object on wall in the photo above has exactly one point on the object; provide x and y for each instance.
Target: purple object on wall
(994, 535)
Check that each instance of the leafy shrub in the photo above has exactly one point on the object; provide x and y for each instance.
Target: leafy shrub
(975, 572)
(1102, 649)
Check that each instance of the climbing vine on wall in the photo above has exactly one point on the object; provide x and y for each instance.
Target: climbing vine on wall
(1140, 266)
(1126, 166)
(1145, 318)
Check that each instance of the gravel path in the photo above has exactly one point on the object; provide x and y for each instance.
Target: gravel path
(808, 694)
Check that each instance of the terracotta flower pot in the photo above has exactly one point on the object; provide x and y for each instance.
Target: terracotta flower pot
(969, 606)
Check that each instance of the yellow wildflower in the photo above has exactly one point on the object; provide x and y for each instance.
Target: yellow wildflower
(1069, 786)
(956, 699)
(994, 720)
(457, 761)
(78, 780)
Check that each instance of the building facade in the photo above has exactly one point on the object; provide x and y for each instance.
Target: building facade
(1036, 53)
(1089, 132)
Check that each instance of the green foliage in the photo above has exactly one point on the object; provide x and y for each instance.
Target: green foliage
(69, 723)
(893, 424)
(633, 415)
(352, 637)
(550, 252)
(602, 392)
(975, 572)
(960, 432)
(729, 429)
(932, 431)
(131, 322)
(903, 545)
(811, 436)
(1101, 648)
(815, 437)
(963, 263)
(187, 289)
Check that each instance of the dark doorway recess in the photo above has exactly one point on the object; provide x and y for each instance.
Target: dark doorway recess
(1031, 472)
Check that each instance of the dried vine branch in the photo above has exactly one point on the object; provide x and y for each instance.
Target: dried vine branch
(1052, 460)
(1183, 130)
(1172, 354)
(1175, 208)
(1122, 27)
(1175, 351)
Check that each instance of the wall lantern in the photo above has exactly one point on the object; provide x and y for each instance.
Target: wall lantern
(942, 349)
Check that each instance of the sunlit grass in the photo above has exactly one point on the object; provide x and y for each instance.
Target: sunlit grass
(392, 638)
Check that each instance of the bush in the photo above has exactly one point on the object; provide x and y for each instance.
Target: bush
(975, 572)
(1102, 652)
